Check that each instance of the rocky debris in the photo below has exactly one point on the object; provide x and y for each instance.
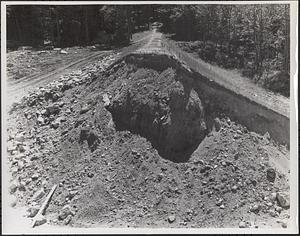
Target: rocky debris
(55, 124)
(63, 52)
(283, 199)
(52, 110)
(13, 187)
(68, 220)
(171, 218)
(65, 212)
(84, 109)
(54, 90)
(91, 138)
(39, 220)
(39, 195)
(129, 170)
(32, 211)
(255, 208)
(217, 124)
(106, 100)
(271, 174)
(244, 224)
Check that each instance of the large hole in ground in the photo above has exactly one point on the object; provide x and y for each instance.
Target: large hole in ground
(163, 108)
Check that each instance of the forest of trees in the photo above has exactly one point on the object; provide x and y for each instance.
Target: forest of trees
(67, 25)
(252, 37)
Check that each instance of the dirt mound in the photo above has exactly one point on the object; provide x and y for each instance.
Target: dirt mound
(104, 150)
(163, 108)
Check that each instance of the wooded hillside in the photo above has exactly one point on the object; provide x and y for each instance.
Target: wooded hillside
(253, 38)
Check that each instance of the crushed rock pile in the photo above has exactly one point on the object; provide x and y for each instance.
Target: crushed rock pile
(68, 134)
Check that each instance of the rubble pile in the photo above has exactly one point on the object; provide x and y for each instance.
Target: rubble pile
(64, 134)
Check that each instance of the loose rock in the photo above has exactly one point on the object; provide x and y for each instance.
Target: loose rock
(65, 212)
(283, 199)
(171, 219)
(271, 174)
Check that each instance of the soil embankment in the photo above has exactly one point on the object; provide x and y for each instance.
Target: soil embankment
(138, 144)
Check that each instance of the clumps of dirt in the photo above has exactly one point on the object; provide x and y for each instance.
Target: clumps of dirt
(162, 107)
(109, 175)
(91, 138)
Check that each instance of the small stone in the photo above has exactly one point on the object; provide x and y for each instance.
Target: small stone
(54, 124)
(40, 120)
(217, 124)
(61, 119)
(269, 204)
(271, 174)
(35, 176)
(65, 212)
(255, 208)
(90, 175)
(234, 188)
(63, 52)
(278, 209)
(242, 224)
(21, 186)
(267, 136)
(84, 109)
(171, 219)
(35, 156)
(219, 202)
(13, 201)
(272, 213)
(222, 206)
(68, 220)
(283, 199)
(13, 187)
(39, 194)
(52, 110)
(40, 220)
(43, 112)
(32, 211)
(284, 225)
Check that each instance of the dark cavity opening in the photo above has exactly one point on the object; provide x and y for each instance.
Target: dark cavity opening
(175, 128)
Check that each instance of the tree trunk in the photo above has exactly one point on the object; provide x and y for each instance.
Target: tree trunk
(287, 41)
(86, 26)
(58, 36)
(18, 28)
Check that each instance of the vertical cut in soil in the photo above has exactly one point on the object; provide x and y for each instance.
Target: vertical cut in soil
(162, 107)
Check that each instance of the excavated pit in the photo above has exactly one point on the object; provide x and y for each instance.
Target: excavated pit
(160, 105)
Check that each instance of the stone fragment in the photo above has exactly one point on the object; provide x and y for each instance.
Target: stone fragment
(283, 199)
(171, 218)
(13, 187)
(255, 208)
(52, 110)
(242, 224)
(54, 124)
(65, 212)
(217, 124)
(84, 109)
(271, 174)
(40, 220)
(32, 211)
(63, 52)
(39, 195)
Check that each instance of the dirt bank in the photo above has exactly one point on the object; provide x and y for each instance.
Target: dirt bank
(109, 140)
